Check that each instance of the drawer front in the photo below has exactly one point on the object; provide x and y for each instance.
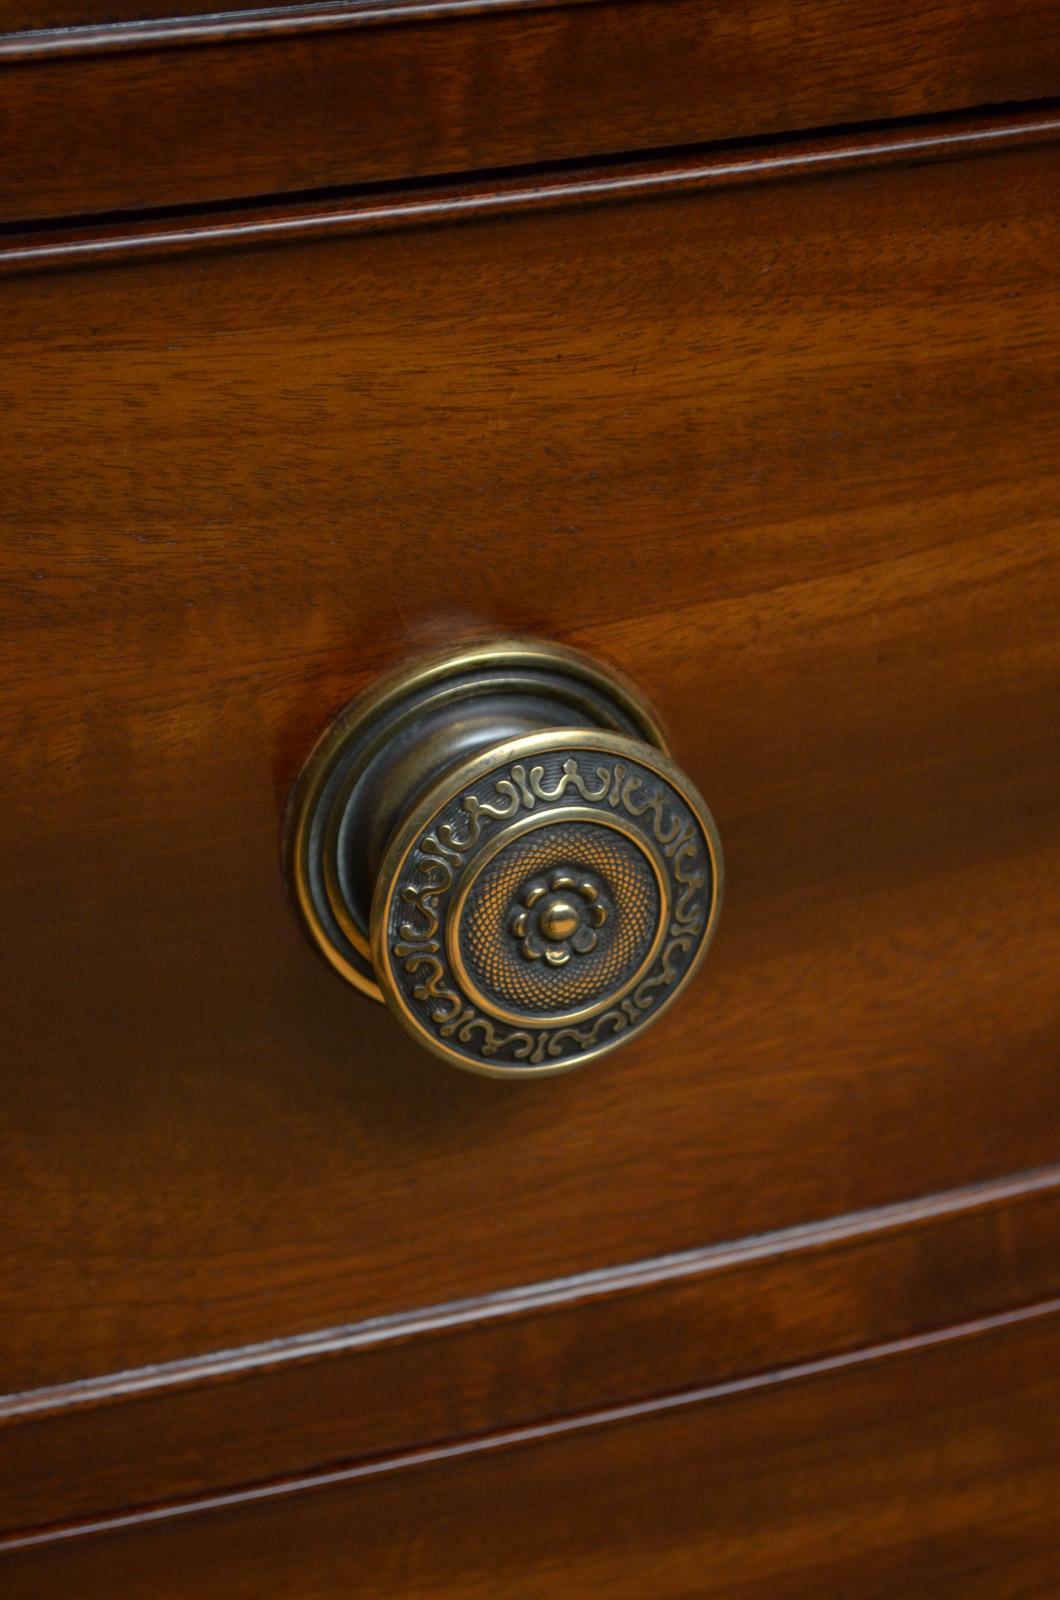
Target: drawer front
(786, 453)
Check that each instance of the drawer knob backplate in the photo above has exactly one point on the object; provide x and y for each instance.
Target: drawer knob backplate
(497, 843)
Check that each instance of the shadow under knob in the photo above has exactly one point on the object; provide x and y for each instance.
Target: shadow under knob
(497, 843)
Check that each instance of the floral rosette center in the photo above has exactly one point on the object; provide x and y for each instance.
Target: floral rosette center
(559, 917)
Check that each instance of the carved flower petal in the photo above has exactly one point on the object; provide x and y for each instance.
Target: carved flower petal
(520, 924)
(534, 892)
(557, 955)
(596, 916)
(563, 880)
(587, 889)
(532, 946)
(584, 940)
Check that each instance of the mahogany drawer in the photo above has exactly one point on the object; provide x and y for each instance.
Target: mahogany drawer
(775, 434)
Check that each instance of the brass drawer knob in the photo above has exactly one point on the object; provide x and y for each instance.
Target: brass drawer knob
(497, 843)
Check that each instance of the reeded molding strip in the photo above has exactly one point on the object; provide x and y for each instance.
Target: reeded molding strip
(438, 205)
(513, 1438)
(259, 22)
(382, 1388)
(234, 108)
(604, 1284)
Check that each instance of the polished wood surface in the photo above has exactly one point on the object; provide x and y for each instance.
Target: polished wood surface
(788, 455)
(925, 1472)
(540, 1354)
(305, 98)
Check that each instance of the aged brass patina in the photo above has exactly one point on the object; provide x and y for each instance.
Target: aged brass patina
(497, 843)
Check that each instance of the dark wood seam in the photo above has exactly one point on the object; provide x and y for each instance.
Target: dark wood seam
(444, 205)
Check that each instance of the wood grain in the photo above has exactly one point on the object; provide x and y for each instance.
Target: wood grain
(546, 1352)
(788, 454)
(928, 1471)
(212, 116)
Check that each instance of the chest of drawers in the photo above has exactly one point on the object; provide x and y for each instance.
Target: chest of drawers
(721, 345)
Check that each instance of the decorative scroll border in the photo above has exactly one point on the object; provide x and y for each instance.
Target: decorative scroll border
(441, 853)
